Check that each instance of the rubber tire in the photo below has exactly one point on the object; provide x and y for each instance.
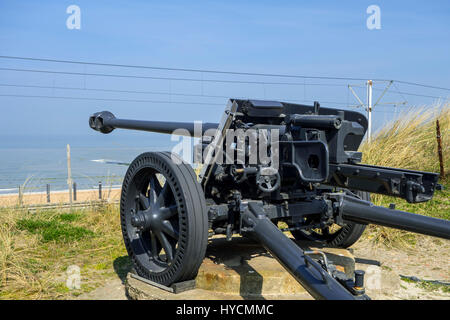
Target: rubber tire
(193, 218)
(347, 235)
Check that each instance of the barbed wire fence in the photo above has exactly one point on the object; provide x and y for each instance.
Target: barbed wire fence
(46, 79)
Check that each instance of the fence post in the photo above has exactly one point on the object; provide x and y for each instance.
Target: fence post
(69, 174)
(74, 191)
(100, 190)
(439, 143)
(48, 193)
(20, 196)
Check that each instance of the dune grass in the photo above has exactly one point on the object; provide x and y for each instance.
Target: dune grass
(409, 142)
(37, 248)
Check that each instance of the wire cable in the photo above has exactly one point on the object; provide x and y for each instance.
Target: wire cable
(187, 70)
(149, 77)
(217, 71)
(158, 93)
(108, 99)
(342, 104)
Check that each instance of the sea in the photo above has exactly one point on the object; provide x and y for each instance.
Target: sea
(33, 162)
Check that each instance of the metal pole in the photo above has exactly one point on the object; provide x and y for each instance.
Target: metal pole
(69, 174)
(48, 193)
(361, 211)
(369, 110)
(100, 190)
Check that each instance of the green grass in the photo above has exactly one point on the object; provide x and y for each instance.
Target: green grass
(69, 217)
(428, 285)
(53, 230)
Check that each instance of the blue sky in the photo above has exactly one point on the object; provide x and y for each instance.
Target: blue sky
(320, 38)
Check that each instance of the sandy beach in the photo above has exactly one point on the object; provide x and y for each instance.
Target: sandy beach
(58, 197)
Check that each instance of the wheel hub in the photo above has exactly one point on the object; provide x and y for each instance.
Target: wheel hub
(149, 219)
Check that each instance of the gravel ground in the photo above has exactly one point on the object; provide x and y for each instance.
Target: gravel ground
(429, 260)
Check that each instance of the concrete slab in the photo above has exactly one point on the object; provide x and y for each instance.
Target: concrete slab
(241, 269)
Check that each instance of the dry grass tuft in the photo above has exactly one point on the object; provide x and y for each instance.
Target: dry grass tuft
(409, 142)
(36, 249)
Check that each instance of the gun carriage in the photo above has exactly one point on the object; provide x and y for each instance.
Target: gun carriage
(307, 174)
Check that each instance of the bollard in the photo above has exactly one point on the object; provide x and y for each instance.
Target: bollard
(100, 190)
(48, 193)
(74, 191)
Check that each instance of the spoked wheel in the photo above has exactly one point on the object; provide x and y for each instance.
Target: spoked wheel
(334, 235)
(164, 218)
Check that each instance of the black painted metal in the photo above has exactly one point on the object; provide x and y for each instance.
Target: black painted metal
(413, 186)
(316, 121)
(361, 211)
(106, 122)
(306, 271)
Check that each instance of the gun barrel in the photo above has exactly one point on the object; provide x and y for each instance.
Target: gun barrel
(106, 122)
(361, 211)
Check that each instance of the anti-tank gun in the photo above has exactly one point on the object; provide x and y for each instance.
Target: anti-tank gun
(263, 163)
